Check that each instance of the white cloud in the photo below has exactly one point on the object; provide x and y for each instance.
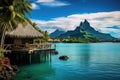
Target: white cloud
(100, 21)
(52, 3)
(35, 6)
(45, 1)
(113, 32)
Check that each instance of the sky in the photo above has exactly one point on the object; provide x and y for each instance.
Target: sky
(103, 15)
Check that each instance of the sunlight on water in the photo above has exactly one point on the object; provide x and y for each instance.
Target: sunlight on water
(87, 61)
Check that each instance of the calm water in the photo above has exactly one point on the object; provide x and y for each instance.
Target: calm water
(87, 61)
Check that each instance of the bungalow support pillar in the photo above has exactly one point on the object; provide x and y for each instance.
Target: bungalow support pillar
(29, 58)
(50, 57)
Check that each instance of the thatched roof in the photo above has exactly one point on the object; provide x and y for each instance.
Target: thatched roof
(27, 31)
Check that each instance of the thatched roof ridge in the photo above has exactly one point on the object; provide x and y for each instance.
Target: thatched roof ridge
(27, 31)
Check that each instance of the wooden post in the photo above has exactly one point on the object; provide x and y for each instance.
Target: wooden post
(55, 46)
(39, 57)
(30, 58)
(50, 57)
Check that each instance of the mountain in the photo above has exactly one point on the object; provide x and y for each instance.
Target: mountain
(57, 33)
(84, 30)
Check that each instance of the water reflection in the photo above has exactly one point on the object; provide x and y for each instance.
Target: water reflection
(85, 54)
(35, 72)
(86, 62)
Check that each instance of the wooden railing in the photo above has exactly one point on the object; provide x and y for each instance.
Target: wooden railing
(40, 46)
(28, 46)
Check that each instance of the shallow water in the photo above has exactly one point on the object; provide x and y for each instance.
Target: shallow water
(87, 61)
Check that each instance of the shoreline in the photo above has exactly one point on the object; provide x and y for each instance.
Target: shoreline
(89, 42)
(9, 74)
(7, 71)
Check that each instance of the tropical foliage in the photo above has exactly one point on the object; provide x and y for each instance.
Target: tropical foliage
(45, 33)
(82, 40)
(77, 40)
(12, 12)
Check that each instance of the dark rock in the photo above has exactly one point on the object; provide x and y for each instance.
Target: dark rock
(9, 72)
(55, 52)
(64, 57)
(13, 73)
(15, 68)
(2, 77)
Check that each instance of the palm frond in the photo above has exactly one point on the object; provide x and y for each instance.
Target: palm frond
(10, 24)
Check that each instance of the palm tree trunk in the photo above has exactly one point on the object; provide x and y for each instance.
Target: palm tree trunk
(3, 37)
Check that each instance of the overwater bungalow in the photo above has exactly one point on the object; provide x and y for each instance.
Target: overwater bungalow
(20, 45)
(22, 38)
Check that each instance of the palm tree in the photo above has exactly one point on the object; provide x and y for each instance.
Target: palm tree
(12, 12)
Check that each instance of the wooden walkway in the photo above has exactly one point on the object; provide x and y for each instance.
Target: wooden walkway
(23, 56)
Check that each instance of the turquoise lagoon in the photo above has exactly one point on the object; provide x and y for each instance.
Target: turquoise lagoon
(87, 61)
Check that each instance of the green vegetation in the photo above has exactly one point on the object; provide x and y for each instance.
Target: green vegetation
(45, 33)
(81, 40)
(2, 53)
(12, 12)
(42, 40)
(77, 40)
(87, 37)
(86, 34)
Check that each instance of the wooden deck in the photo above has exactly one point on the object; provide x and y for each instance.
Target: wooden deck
(29, 54)
(27, 47)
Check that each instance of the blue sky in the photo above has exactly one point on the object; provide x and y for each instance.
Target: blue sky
(67, 14)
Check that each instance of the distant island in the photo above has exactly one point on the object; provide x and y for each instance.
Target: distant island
(83, 33)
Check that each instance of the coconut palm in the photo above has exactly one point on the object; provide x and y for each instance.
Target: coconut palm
(12, 12)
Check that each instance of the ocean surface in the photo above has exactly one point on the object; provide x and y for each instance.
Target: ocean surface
(87, 61)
